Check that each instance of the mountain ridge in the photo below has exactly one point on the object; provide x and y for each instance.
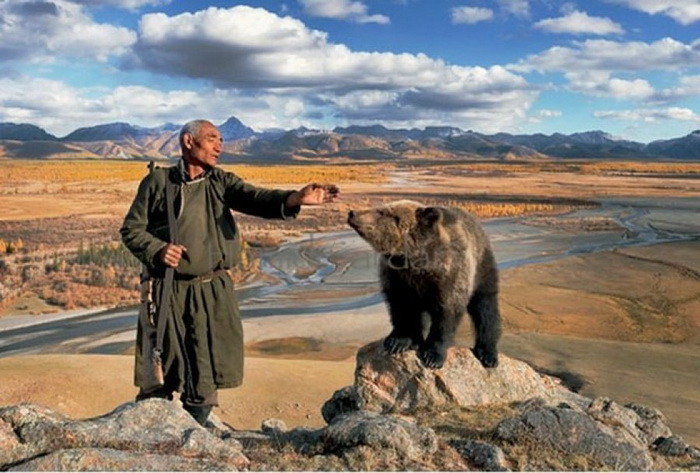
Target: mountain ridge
(122, 140)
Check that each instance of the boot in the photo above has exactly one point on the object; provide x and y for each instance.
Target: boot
(200, 413)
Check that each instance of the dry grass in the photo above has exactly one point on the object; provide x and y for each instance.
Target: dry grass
(579, 167)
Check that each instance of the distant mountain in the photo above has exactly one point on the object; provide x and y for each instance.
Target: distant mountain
(687, 147)
(233, 129)
(367, 142)
(24, 132)
(590, 144)
(109, 131)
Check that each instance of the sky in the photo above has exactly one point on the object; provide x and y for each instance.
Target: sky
(628, 67)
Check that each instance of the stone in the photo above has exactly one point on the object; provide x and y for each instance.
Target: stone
(343, 401)
(673, 446)
(482, 455)
(573, 431)
(107, 459)
(153, 426)
(273, 426)
(400, 383)
(379, 431)
(651, 423)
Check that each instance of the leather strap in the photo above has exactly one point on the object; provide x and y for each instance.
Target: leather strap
(164, 308)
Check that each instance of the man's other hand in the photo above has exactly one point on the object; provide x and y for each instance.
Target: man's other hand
(170, 254)
(313, 194)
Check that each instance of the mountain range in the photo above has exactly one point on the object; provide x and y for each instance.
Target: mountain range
(376, 142)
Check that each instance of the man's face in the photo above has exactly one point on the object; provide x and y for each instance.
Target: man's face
(203, 150)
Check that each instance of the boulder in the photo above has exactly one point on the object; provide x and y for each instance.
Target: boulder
(136, 429)
(400, 383)
(572, 431)
(381, 432)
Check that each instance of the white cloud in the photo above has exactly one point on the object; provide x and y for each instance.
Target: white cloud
(342, 10)
(42, 30)
(519, 8)
(60, 109)
(547, 113)
(649, 115)
(471, 15)
(606, 55)
(684, 12)
(253, 49)
(132, 5)
(688, 86)
(578, 22)
(600, 84)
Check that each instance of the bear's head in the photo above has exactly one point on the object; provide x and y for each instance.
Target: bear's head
(403, 228)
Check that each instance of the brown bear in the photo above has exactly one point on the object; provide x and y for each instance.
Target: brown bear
(435, 263)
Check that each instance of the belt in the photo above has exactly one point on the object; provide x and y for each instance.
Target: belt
(204, 278)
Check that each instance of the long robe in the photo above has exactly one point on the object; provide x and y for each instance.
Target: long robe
(203, 347)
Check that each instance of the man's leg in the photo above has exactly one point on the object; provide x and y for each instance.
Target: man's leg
(200, 407)
(162, 392)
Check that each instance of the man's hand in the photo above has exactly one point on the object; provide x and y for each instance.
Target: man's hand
(313, 194)
(171, 253)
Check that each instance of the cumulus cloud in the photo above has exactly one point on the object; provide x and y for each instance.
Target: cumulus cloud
(41, 30)
(548, 113)
(518, 8)
(60, 108)
(252, 49)
(471, 15)
(684, 12)
(342, 10)
(688, 86)
(125, 4)
(601, 84)
(578, 22)
(649, 115)
(606, 55)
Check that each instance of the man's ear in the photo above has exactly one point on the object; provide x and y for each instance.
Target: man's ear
(188, 140)
(429, 216)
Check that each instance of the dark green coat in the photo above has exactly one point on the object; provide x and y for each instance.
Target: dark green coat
(203, 348)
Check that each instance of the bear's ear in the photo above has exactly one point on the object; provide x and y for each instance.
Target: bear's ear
(429, 216)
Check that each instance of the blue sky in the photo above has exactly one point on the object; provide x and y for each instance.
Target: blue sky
(628, 67)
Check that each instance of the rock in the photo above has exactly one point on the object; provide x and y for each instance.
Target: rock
(400, 383)
(273, 426)
(379, 432)
(651, 423)
(482, 455)
(153, 426)
(574, 432)
(343, 401)
(107, 459)
(673, 446)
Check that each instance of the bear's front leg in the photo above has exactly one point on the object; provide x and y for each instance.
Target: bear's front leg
(405, 312)
(433, 351)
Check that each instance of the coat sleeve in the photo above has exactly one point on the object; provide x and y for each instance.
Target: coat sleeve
(257, 201)
(144, 245)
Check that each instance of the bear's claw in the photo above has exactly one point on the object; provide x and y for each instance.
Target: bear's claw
(488, 358)
(396, 345)
(432, 358)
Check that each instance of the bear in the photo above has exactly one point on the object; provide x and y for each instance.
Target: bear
(435, 263)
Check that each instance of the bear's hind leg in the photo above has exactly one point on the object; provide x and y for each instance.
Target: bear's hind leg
(483, 309)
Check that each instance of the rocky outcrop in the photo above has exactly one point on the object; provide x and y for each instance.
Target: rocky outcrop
(396, 416)
(401, 384)
(133, 436)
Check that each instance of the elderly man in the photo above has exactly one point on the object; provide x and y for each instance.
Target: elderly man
(203, 341)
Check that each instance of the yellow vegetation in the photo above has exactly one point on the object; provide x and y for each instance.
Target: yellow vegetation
(101, 171)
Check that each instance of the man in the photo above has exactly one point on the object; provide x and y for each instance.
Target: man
(203, 343)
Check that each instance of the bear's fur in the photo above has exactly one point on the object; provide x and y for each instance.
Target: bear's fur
(436, 262)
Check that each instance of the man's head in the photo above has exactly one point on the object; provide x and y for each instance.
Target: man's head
(200, 142)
